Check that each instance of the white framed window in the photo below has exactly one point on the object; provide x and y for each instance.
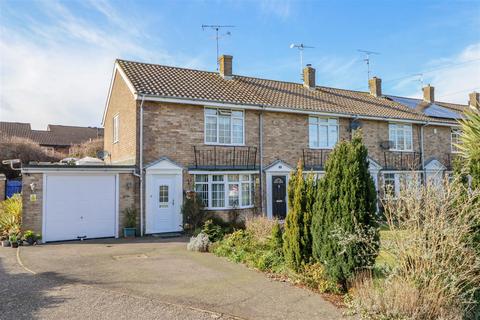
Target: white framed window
(322, 132)
(116, 125)
(396, 182)
(455, 140)
(225, 191)
(401, 136)
(224, 126)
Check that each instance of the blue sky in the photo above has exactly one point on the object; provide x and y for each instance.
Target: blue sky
(56, 57)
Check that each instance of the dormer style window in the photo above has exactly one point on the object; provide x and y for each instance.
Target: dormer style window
(322, 132)
(116, 124)
(224, 126)
(455, 140)
(400, 135)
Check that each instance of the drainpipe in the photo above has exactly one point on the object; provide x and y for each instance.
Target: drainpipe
(422, 150)
(140, 175)
(260, 133)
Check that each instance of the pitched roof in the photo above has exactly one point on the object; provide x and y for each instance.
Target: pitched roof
(180, 83)
(55, 135)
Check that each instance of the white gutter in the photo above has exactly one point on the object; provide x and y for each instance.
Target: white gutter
(70, 169)
(285, 110)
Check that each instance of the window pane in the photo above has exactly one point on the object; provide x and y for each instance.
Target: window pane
(202, 190)
(211, 129)
(389, 184)
(237, 131)
(233, 177)
(211, 111)
(163, 196)
(400, 139)
(245, 177)
(224, 130)
(332, 135)
(408, 139)
(218, 195)
(237, 114)
(201, 178)
(392, 132)
(313, 120)
(217, 177)
(246, 200)
(233, 195)
(323, 136)
(313, 135)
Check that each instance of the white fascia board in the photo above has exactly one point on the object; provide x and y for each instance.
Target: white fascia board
(117, 68)
(206, 103)
(75, 170)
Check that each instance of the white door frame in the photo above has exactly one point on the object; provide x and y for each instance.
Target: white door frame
(75, 172)
(162, 167)
(277, 168)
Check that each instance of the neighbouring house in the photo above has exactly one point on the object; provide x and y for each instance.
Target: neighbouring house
(56, 139)
(234, 140)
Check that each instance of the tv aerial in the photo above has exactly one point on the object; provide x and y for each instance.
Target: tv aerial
(301, 47)
(367, 58)
(218, 36)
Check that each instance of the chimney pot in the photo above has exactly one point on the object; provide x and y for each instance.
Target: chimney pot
(225, 64)
(474, 100)
(428, 94)
(309, 77)
(375, 86)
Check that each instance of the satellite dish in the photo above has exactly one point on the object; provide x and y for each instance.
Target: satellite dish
(102, 154)
(355, 124)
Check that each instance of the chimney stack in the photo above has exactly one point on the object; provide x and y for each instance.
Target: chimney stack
(225, 64)
(428, 94)
(375, 86)
(474, 100)
(309, 77)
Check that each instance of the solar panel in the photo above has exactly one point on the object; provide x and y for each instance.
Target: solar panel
(433, 110)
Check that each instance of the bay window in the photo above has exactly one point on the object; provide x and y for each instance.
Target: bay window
(400, 136)
(223, 126)
(322, 132)
(225, 191)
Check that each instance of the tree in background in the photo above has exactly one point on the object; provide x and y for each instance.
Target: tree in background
(24, 149)
(344, 228)
(87, 149)
(470, 146)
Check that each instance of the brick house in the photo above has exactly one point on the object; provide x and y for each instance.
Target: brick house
(235, 139)
(56, 139)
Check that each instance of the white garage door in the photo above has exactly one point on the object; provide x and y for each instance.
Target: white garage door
(79, 206)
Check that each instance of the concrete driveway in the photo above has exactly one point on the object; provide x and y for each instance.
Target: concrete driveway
(147, 278)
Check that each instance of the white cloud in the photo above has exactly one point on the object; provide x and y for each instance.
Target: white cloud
(280, 8)
(59, 72)
(453, 77)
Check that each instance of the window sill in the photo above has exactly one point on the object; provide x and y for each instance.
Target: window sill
(227, 209)
(321, 148)
(115, 142)
(398, 150)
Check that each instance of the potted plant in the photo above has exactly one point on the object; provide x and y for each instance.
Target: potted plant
(14, 240)
(130, 215)
(29, 237)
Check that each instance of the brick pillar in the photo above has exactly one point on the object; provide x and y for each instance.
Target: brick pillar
(3, 181)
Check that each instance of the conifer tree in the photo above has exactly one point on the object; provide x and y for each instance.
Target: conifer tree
(292, 238)
(309, 200)
(344, 233)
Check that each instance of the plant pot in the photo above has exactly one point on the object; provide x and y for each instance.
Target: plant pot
(14, 244)
(5, 243)
(129, 232)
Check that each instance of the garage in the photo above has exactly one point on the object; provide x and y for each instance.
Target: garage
(80, 206)
(76, 202)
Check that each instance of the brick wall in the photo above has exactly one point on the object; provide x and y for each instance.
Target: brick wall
(128, 198)
(32, 207)
(121, 103)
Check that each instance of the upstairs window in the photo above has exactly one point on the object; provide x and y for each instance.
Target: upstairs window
(223, 126)
(401, 136)
(115, 128)
(455, 140)
(322, 132)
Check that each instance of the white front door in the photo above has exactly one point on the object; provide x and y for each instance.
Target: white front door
(163, 211)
